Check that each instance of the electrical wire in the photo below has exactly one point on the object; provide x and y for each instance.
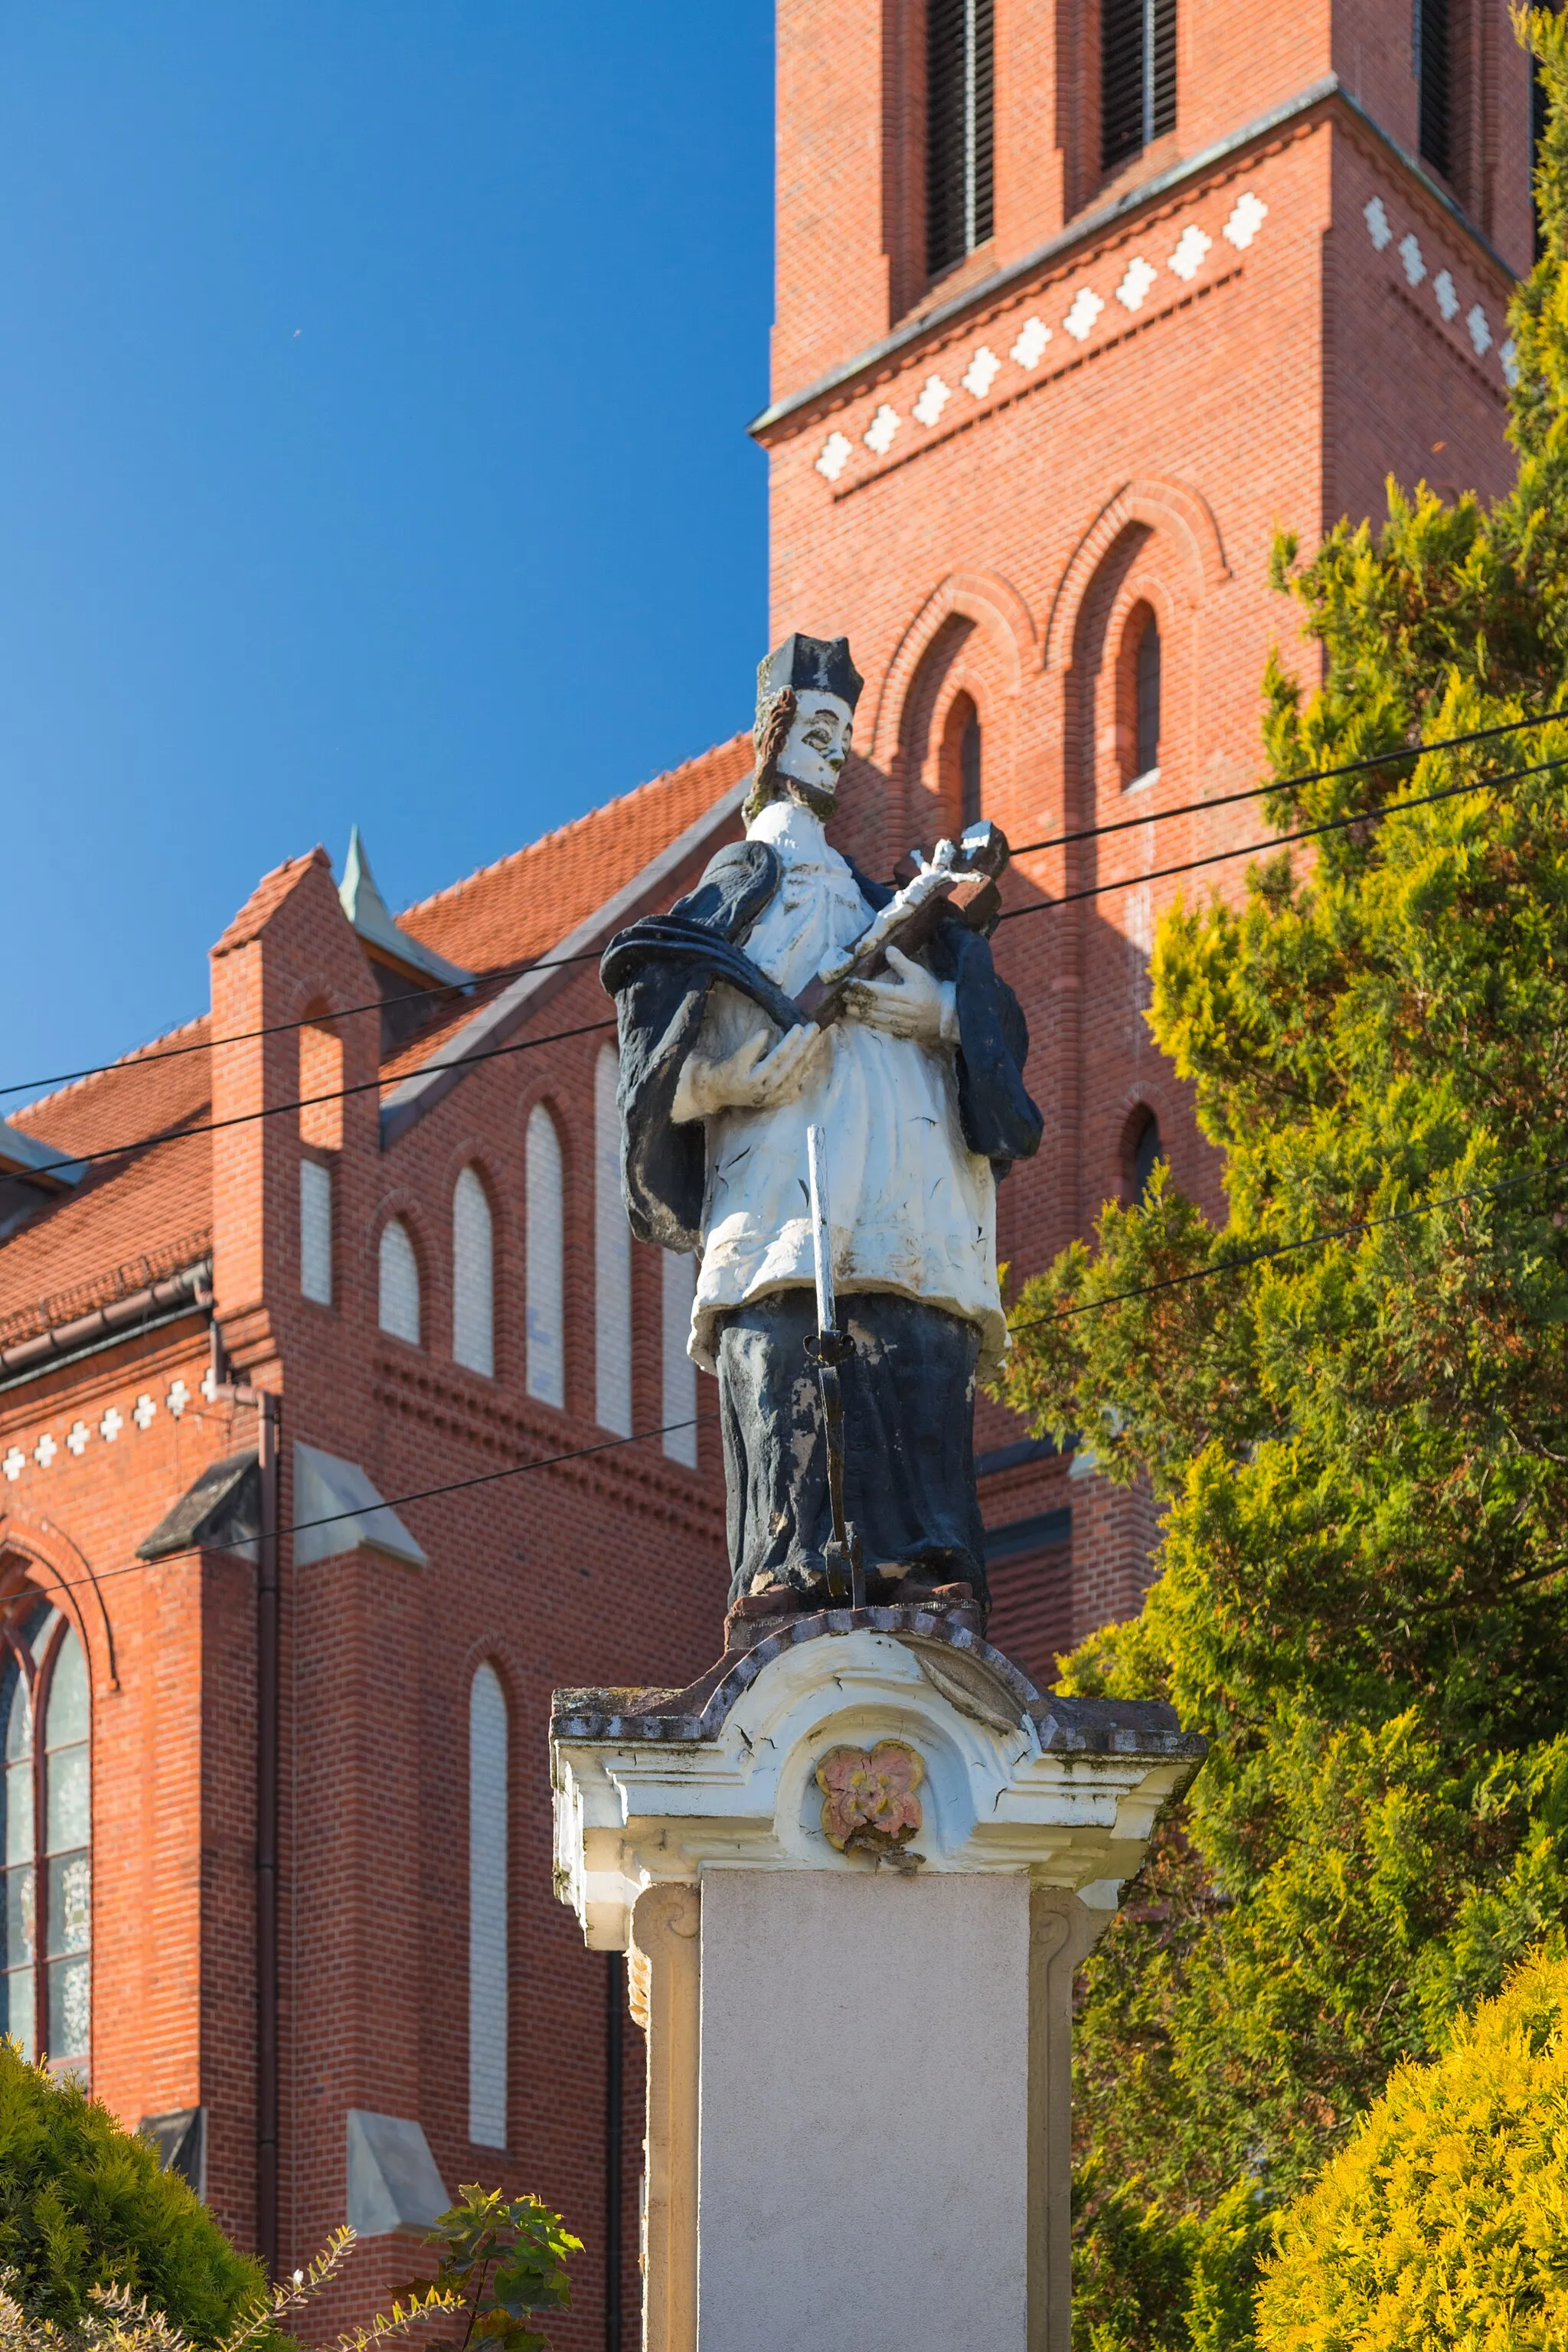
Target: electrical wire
(1287, 1249)
(593, 955)
(1288, 783)
(700, 1420)
(307, 1102)
(397, 1502)
(1282, 840)
(309, 1021)
(1043, 907)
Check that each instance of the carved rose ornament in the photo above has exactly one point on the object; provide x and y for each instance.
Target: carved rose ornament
(868, 1801)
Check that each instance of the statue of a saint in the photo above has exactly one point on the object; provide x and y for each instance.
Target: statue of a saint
(917, 1087)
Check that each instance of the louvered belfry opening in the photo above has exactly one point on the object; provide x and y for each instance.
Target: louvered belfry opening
(959, 129)
(1434, 77)
(1137, 77)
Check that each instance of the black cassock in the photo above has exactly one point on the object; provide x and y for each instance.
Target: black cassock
(908, 1388)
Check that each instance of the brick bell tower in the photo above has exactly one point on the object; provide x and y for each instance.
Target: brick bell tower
(1078, 303)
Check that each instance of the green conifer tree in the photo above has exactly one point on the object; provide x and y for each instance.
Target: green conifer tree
(1360, 1448)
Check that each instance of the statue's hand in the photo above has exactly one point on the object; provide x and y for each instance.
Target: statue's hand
(911, 1004)
(753, 1077)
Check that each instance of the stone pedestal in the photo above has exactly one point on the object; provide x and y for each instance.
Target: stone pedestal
(858, 2028)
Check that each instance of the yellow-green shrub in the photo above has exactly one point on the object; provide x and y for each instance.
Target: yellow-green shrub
(1443, 2223)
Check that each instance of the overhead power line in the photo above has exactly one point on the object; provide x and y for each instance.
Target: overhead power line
(1042, 906)
(1283, 840)
(1288, 1249)
(593, 955)
(1288, 783)
(702, 1421)
(307, 1102)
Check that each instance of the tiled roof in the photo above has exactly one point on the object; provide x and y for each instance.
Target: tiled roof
(140, 1210)
(157, 1203)
(160, 1085)
(524, 903)
(267, 897)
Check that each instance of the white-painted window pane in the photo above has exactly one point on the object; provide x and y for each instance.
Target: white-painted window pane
(68, 1831)
(316, 1232)
(546, 1278)
(399, 1307)
(679, 1372)
(486, 1910)
(612, 1259)
(473, 1276)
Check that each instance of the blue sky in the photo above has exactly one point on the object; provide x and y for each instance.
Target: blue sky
(374, 377)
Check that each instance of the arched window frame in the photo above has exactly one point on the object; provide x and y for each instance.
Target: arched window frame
(612, 1258)
(473, 1274)
(54, 1949)
(545, 1222)
(1143, 1147)
(490, 1884)
(1140, 736)
(395, 1235)
(961, 773)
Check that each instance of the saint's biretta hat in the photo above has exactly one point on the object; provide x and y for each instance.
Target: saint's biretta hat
(814, 664)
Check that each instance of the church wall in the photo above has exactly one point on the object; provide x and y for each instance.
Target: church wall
(1002, 549)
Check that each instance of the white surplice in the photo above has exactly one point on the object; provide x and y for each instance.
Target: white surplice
(913, 1209)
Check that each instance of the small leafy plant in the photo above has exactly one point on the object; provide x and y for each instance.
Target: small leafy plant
(502, 2261)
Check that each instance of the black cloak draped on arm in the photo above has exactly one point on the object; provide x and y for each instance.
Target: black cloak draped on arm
(659, 971)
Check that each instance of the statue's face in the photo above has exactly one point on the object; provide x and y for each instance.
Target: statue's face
(818, 741)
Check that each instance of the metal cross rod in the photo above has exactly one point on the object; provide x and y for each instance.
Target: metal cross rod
(828, 1350)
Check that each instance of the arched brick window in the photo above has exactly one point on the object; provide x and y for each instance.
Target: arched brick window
(487, 1909)
(959, 764)
(1139, 692)
(1142, 1148)
(321, 1127)
(679, 1420)
(612, 1259)
(473, 1276)
(399, 1283)
(546, 1270)
(48, 1917)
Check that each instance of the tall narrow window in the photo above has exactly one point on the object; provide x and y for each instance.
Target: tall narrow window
(1145, 1151)
(1433, 83)
(487, 1909)
(473, 1275)
(321, 1082)
(398, 1287)
(612, 1259)
(1146, 692)
(546, 1273)
(316, 1231)
(680, 1419)
(959, 129)
(68, 1834)
(969, 767)
(46, 1962)
(1137, 77)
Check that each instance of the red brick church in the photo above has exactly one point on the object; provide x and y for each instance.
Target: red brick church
(1078, 303)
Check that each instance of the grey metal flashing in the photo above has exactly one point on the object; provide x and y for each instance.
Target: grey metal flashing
(636, 1718)
(1090, 225)
(221, 1512)
(110, 1326)
(415, 1096)
(22, 1154)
